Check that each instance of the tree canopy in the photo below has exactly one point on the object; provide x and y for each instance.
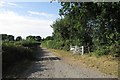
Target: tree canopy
(92, 24)
(6, 37)
(34, 38)
(19, 38)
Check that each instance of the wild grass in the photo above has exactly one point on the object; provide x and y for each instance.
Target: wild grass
(106, 64)
(14, 53)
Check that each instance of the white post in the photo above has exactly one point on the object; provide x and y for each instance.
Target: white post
(70, 47)
(76, 49)
(82, 50)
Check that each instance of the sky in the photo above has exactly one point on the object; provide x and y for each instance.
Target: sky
(28, 18)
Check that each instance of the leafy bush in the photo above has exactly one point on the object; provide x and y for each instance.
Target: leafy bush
(102, 50)
(115, 50)
(26, 43)
(67, 45)
(53, 44)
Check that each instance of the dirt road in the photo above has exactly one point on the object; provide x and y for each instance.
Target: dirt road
(50, 66)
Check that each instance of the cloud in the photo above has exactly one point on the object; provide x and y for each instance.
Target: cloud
(2, 3)
(47, 15)
(12, 23)
(12, 4)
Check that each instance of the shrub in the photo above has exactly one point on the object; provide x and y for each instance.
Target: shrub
(114, 50)
(102, 50)
(67, 45)
(53, 44)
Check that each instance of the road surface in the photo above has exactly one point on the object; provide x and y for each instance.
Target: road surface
(51, 66)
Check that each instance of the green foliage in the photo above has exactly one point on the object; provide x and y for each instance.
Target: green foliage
(6, 37)
(67, 45)
(88, 24)
(19, 38)
(53, 44)
(28, 43)
(101, 51)
(49, 38)
(57, 44)
(115, 50)
(15, 52)
(33, 38)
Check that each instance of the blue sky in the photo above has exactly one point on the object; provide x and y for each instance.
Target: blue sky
(23, 7)
(28, 18)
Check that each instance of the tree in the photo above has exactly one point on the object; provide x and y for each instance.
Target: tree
(33, 38)
(19, 38)
(38, 38)
(49, 38)
(89, 24)
(30, 37)
(10, 38)
(6, 37)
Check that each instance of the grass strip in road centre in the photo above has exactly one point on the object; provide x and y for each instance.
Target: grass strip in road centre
(106, 64)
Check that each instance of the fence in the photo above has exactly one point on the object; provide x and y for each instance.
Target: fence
(78, 50)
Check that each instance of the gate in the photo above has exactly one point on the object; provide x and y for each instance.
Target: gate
(78, 50)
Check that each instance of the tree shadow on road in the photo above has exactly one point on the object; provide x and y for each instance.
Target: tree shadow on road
(42, 52)
(38, 67)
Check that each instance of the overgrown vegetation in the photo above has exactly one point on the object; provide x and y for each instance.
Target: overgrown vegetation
(17, 51)
(95, 25)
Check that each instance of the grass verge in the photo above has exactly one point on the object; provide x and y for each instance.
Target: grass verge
(17, 70)
(106, 64)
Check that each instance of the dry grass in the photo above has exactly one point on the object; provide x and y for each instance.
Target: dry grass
(105, 64)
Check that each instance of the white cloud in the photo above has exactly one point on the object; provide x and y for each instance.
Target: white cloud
(40, 14)
(12, 4)
(12, 23)
(2, 3)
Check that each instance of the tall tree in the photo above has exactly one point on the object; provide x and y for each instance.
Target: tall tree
(90, 24)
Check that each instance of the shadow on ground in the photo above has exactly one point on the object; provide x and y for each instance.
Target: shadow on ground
(43, 55)
(38, 67)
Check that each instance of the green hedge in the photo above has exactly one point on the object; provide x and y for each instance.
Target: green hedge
(56, 44)
(14, 52)
(113, 50)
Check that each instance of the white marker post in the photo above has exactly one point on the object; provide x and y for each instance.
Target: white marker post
(82, 50)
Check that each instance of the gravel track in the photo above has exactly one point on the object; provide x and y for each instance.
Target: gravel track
(50, 66)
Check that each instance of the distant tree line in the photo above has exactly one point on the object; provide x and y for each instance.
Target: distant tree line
(6, 37)
(36, 38)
